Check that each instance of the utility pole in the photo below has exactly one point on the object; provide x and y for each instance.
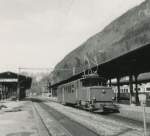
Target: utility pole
(18, 85)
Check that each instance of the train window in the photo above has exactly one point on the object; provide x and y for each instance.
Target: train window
(79, 83)
(65, 88)
(69, 89)
(72, 88)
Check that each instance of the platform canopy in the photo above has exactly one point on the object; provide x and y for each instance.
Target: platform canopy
(133, 62)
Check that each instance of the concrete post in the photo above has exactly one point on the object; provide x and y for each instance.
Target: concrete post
(18, 85)
(110, 84)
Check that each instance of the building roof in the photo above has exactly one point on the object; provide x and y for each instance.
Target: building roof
(10, 77)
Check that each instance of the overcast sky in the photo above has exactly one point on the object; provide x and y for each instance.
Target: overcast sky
(39, 33)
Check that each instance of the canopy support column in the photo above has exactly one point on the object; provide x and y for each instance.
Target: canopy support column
(110, 84)
(131, 88)
(118, 88)
(136, 89)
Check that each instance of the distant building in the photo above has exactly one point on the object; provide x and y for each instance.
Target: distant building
(13, 85)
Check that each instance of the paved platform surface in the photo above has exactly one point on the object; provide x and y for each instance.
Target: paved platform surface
(128, 111)
(17, 119)
(134, 112)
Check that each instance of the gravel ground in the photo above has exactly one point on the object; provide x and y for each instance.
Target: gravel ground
(17, 119)
(101, 124)
(53, 126)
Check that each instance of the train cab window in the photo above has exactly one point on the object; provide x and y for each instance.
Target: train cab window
(92, 82)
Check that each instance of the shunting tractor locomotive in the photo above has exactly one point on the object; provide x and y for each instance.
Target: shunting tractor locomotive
(89, 92)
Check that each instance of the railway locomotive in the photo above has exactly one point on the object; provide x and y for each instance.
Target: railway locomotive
(89, 92)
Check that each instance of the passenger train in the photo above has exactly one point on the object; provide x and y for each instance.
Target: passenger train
(90, 92)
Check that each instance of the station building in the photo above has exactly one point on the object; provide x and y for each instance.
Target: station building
(13, 85)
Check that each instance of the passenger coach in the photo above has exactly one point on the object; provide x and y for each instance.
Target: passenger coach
(89, 92)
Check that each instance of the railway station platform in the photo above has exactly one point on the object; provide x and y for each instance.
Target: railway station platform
(133, 112)
(18, 118)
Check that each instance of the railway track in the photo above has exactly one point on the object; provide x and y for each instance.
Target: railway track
(111, 115)
(109, 125)
(58, 124)
(42, 127)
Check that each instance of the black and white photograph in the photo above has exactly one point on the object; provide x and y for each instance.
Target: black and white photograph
(74, 68)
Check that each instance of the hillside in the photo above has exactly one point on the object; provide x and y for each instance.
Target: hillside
(126, 33)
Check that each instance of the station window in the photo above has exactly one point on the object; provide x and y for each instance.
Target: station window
(127, 91)
(139, 89)
(121, 90)
(148, 89)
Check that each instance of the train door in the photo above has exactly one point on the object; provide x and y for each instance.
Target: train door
(77, 89)
(63, 95)
(88, 94)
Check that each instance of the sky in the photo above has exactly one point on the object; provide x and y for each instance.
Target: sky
(40, 33)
